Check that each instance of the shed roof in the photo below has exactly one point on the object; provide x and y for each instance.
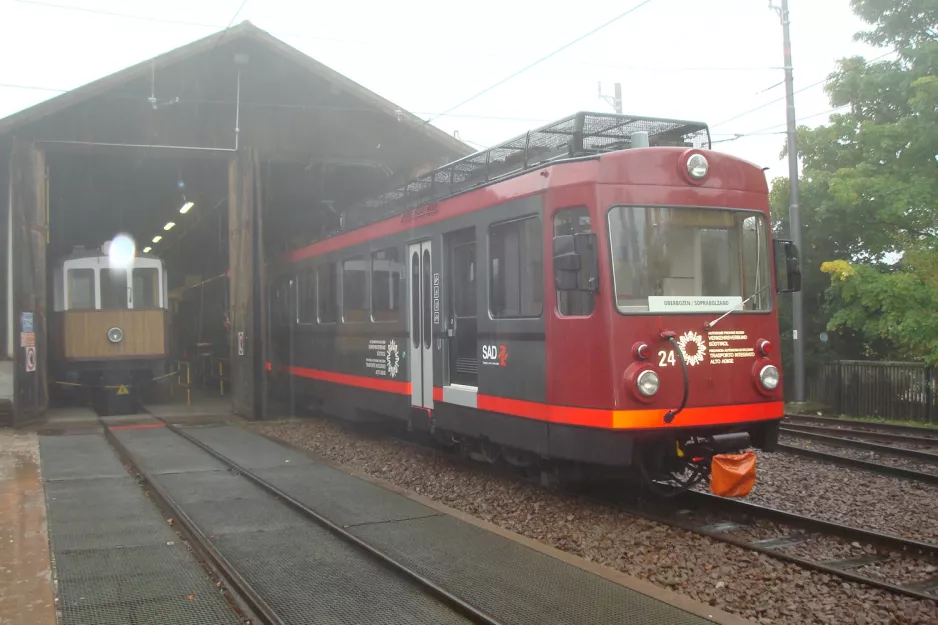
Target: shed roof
(243, 31)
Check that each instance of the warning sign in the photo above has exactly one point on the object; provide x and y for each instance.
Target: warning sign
(122, 390)
(26, 322)
(30, 358)
(27, 339)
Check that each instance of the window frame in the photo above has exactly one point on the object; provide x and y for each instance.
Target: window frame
(490, 258)
(365, 294)
(611, 263)
(395, 294)
(557, 294)
(334, 265)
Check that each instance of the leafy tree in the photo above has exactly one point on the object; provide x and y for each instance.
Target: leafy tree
(870, 192)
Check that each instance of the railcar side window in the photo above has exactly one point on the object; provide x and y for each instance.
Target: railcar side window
(574, 303)
(516, 268)
(386, 272)
(354, 296)
(114, 289)
(81, 289)
(326, 278)
(306, 297)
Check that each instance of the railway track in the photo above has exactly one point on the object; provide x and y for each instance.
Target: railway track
(865, 557)
(893, 445)
(246, 593)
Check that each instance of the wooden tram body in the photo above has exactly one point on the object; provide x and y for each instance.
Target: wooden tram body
(596, 293)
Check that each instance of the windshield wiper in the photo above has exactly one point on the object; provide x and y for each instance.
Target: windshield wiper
(710, 324)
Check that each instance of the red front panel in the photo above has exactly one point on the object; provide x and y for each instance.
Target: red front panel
(590, 358)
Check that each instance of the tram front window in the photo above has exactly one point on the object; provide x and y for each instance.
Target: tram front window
(668, 259)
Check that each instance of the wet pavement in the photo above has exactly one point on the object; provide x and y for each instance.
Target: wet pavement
(25, 572)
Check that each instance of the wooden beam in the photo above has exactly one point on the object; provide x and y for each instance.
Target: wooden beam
(30, 228)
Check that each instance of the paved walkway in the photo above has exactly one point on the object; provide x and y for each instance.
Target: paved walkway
(25, 571)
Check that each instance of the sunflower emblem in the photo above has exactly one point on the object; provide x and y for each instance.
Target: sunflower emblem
(393, 359)
(693, 347)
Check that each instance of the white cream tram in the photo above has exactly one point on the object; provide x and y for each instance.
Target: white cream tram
(110, 326)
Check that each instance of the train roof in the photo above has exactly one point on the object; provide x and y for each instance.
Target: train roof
(579, 135)
(79, 253)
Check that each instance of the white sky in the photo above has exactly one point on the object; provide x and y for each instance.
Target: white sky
(707, 61)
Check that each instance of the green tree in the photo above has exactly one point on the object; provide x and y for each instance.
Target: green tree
(870, 192)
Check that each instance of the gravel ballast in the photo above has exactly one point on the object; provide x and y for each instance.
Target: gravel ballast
(847, 495)
(736, 580)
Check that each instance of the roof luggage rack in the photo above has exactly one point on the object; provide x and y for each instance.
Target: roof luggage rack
(581, 134)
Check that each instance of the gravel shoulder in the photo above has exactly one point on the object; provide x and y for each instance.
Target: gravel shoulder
(736, 580)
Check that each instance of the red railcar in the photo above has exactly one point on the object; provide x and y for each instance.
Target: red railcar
(600, 292)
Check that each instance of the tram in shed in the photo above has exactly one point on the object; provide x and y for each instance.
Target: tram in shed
(598, 295)
(110, 326)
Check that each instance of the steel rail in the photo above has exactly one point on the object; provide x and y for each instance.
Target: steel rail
(793, 519)
(886, 427)
(838, 441)
(876, 467)
(262, 611)
(460, 606)
(883, 437)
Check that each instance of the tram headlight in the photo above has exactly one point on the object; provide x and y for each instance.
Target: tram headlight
(647, 383)
(697, 166)
(768, 377)
(115, 335)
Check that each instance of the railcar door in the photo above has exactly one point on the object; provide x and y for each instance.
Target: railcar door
(421, 324)
(463, 324)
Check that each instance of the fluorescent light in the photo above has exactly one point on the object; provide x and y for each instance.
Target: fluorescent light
(147, 250)
(169, 225)
(185, 207)
(157, 239)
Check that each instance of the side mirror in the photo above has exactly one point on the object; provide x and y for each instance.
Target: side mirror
(574, 253)
(787, 267)
(566, 263)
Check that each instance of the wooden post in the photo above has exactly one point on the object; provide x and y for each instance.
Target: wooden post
(28, 206)
(243, 169)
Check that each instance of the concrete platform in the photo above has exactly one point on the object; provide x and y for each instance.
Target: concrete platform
(26, 594)
(513, 579)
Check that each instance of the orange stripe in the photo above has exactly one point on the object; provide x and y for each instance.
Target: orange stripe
(631, 419)
(388, 386)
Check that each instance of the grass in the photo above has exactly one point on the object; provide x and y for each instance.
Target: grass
(805, 411)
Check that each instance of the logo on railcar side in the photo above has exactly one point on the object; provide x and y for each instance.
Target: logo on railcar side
(393, 359)
(494, 355)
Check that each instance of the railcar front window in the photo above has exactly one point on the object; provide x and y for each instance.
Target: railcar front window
(146, 287)
(81, 289)
(689, 259)
(114, 289)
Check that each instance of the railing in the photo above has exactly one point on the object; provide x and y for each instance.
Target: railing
(887, 390)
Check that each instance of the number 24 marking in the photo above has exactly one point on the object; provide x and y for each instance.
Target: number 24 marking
(666, 358)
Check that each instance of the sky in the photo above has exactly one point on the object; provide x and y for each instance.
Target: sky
(712, 61)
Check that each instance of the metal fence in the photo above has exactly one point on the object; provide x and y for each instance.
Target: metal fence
(888, 390)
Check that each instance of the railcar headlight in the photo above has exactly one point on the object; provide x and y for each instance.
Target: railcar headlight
(115, 335)
(647, 383)
(768, 377)
(697, 166)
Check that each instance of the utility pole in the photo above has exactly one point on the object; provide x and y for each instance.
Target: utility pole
(794, 210)
(615, 101)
